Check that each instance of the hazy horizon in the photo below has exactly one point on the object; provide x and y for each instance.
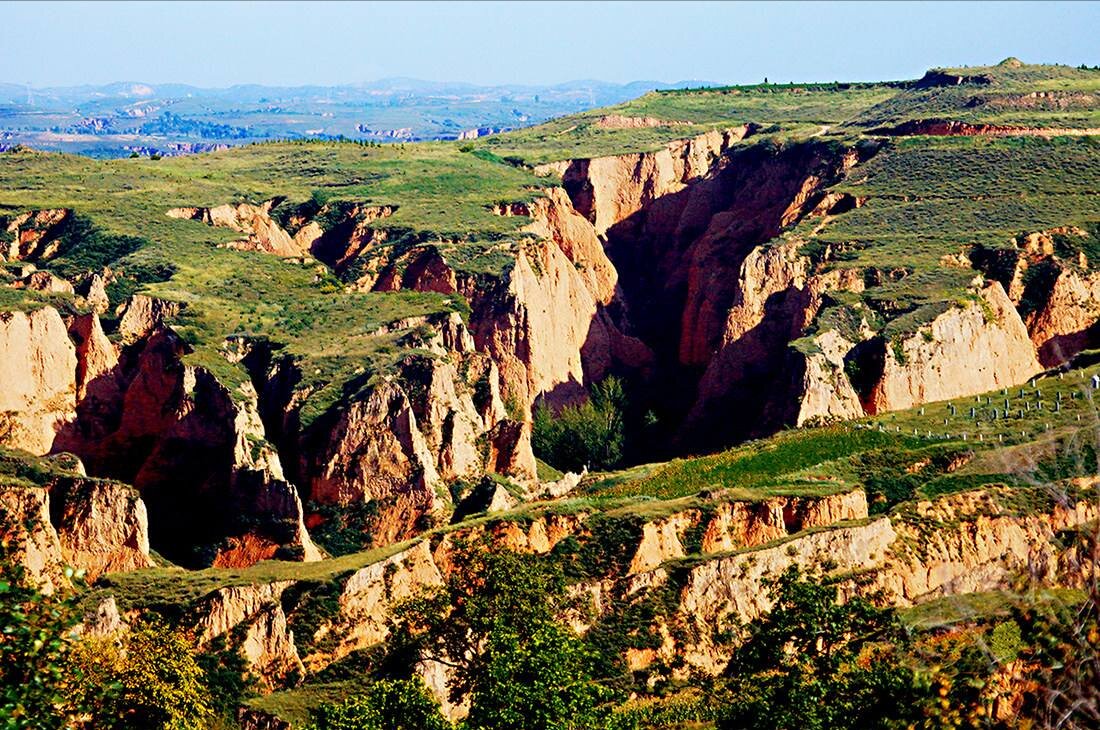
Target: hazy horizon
(220, 45)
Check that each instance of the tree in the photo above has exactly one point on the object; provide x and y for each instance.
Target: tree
(494, 623)
(589, 434)
(35, 640)
(541, 680)
(386, 705)
(159, 681)
(816, 664)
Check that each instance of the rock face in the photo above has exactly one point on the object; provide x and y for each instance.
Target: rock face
(35, 235)
(367, 598)
(546, 322)
(30, 537)
(607, 190)
(37, 366)
(1055, 290)
(89, 525)
(966, 350)
(1065, 324)
(826, 392)
(981, 546)
(980, 542)
(142, 315)
(102, 526)
(734, 525)
(267, 643)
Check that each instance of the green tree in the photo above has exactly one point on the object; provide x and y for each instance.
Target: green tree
(386, 705)
(589, 434)
(538, 680)
(494, 622)
(816, 664)
(1062, 649)
(35, 640)
(159, 680)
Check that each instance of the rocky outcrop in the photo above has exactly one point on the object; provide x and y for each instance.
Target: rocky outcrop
(950, 128)
(305, 232)
(723, 526)
(776, 300)
(1054, 289)
(142, 315)
(29, 538)
(94, 291)
(971, 542)
(193, 448)
(266, 643)
(722, 593)
(96, 356)
(37, 367)
(618, 121)
(92, 526)
(539, 535)
(102, 526)
(375, 452)
(546, 321)
(974, 541)
(261, 232)
(969, 349)
(398, 445)
(45, 282)
(1065, 323)
(824, 393)
(368, 597)
(103, 621)
(35, 235)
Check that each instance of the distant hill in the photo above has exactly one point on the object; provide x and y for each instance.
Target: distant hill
(127, 117)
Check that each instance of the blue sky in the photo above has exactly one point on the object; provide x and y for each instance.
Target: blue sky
(288, 43)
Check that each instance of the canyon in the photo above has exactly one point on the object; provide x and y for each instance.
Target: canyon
(294, 405)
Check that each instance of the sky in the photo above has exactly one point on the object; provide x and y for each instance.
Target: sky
(289, 43)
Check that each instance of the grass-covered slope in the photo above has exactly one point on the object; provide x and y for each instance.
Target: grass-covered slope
(663, 116)
(440, 193)
(1010, 94)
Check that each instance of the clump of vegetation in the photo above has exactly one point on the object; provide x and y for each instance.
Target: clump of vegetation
(402, 704)
(51, 678)
(587, 435)
(343, 529)
(495, 622)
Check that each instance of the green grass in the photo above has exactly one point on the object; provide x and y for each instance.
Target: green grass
(1003, 101)
(801, 109)
(21, 469)
(761, 468)
(547, 473)
(293, 705)
(176, 587)
(982, 606)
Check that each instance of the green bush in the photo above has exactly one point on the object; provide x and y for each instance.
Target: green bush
(402, 704)
(590, 434)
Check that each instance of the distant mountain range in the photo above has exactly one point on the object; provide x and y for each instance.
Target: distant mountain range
(125, 118)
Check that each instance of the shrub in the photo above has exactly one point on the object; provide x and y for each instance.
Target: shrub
(402, 704)
(589, 434)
